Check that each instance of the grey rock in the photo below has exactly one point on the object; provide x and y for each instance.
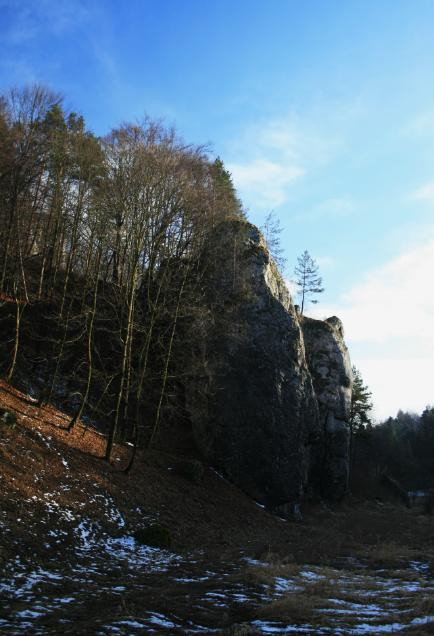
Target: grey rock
(329, 363)
(256, 407)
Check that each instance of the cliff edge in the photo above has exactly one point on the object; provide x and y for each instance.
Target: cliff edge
(269, 390)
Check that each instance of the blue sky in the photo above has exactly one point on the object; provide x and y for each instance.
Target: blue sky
(323, 112)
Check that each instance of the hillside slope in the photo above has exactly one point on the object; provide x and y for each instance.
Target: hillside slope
(69, 561)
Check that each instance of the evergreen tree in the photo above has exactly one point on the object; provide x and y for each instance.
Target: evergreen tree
(225, 196)
(361, 404)
(360, 414)
(307, 281)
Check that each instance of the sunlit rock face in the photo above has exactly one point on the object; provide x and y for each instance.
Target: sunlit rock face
(256, 414)
(329, 363)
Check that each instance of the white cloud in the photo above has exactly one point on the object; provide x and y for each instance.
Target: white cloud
(425, 193)
(400, 383)
(421, 125)
(325, 262)
(265, 181)
(388, 320)
(269, 157)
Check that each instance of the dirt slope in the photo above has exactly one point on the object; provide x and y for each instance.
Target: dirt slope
(68, 562)
(41, 461)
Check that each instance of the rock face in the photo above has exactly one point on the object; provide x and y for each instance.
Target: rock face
(329, 363)
(259, 411)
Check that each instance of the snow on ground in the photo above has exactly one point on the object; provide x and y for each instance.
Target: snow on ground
(114, 565)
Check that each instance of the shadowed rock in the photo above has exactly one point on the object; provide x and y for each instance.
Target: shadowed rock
(253, 406)
(329, 363)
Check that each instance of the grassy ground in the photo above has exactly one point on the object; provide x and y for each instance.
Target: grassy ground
(67, 517)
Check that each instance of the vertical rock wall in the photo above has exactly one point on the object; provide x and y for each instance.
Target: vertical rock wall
(329, 363)
(252, 397)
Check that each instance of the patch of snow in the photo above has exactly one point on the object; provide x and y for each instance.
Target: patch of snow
(254, 562)
(366, 628)
(216, 595)
(28, 614)
(130, 623)
(414, 586)
(111, 511)
(276, 628)
(161, 621)
(282, 585)
(240, 598)
(311, 576)
(419, 566)
(198, 579)
(422, 621)
(126, 547)
(84, 531)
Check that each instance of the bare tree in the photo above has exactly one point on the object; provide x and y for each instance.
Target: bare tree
(272, 231)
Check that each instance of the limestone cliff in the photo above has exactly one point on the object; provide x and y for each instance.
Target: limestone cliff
(329, 363)
(258, 410)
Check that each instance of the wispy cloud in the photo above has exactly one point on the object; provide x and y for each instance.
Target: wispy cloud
(264, 181)
(29, 27)
(326, 262)
(31, 19)
(269, 157)
(334, 208)
(420, 125)
(425, 193)
(388, 319)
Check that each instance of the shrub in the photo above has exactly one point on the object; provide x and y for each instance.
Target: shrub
(156, 536)
(8, 418)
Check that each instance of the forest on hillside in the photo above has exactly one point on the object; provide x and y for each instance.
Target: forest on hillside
(102, 278)
(101, 243)
(401, 447)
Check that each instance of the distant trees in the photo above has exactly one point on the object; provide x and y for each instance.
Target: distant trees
(307, 279)
(401, 447)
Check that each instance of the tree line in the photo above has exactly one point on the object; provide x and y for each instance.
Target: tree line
(100, 257)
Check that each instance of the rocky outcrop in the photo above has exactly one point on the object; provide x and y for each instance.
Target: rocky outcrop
(329, 363)
(253, 395)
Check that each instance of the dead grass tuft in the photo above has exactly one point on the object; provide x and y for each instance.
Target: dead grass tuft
(267, 574)
(299, 607)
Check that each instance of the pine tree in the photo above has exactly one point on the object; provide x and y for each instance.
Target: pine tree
(360, 414)
(361, 404)
(307, 281)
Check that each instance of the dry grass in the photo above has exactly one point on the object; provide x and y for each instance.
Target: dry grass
(267, 574)
(214, 515)
(295, 608)
(388, 554)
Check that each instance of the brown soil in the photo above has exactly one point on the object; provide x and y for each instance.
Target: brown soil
(43, 467)
(213, 514)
